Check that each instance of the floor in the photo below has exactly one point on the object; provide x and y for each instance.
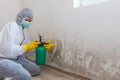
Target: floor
(49, 73)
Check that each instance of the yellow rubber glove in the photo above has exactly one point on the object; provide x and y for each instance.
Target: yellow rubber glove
(31, 46)
(48, 46)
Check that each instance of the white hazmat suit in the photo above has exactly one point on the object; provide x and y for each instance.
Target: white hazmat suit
(12, 64)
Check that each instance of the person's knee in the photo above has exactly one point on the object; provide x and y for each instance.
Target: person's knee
(17, 73)
(23, 75)
(26, 77)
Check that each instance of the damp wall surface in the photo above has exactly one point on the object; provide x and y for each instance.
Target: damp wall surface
(87, 38)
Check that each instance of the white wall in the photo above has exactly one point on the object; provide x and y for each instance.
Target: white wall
(90, 36)
(9, 10)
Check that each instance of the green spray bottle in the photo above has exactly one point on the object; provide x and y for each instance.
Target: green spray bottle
(41, 53)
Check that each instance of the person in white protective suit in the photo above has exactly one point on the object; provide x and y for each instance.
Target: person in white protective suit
(13, 44)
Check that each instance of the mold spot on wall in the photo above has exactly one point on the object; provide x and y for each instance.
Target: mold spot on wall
(54, 55)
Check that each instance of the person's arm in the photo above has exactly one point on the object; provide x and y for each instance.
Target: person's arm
(11, 48)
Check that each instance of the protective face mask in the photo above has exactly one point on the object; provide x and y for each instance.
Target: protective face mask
(25, 24)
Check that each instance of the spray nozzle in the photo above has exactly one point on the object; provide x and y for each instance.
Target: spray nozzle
(40, 40)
